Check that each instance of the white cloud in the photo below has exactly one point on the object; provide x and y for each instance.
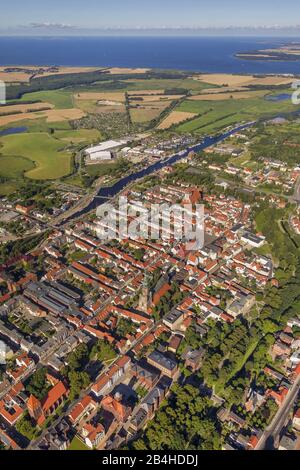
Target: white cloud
(50, 26)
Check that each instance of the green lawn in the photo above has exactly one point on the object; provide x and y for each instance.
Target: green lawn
(51, 161)
(77, 444)
(13, 167)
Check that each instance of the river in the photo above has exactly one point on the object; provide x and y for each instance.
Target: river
(112, 191)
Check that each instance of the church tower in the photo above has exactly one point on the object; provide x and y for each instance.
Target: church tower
(34, 407)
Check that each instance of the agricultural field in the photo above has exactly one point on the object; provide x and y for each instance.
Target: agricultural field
(24, 108)
(75, 112)
(164, 84)
(100, 102)
(53, 106)
(60, 99)
(145, 92)
(147, 113)
(175, 118)
(148, 105)
(14, 167)
(51, 115)
(242, 80)
(216, 115)
(231, 95)
(40, 125)
(125, 70)
(95, 96)
(7, 188)
(46, 155)
(77, 136)
(23, 74)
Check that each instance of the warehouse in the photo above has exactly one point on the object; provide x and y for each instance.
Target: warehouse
(105, 151)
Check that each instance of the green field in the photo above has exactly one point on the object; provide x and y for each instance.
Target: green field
(78, 136)
(217, 115)
(7, 188)
(39, 125)
(101, 169)
(77, 444)
(61, 99)
(47, 153)
(13, 167)
(161, 84)
(148, 84)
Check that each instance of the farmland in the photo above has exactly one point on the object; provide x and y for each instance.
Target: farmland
(77, 136)
(232, 95)
(26, 73)
(12, 167)
(60, 99)
(242, 80)
(45, 153)
(216, 115)
(51, 115)
(95, 96)
(80, 106)
(144, 114)
(175, 118)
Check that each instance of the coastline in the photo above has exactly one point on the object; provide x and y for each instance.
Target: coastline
(191, 54)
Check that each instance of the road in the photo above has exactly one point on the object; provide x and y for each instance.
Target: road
(272, 433)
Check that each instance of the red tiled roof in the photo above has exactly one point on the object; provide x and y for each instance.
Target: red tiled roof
(80, 408)
(58, 391)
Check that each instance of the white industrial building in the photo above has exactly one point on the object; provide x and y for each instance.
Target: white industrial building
(104, 151)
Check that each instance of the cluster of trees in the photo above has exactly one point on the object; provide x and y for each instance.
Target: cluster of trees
(37, 385)
(115, 170)
(77, 378)
(227, 348)
(283, 248)
(187, 421)
(261, 417)
(237, 353)
(103, 351)
(278, 146)
(25, 427)
(191, 339)
(223, 294)
(20, 247)
(216, 158)
(173, 297)
(16, 227)
(28, 190)
(125, 327)
(181, 174)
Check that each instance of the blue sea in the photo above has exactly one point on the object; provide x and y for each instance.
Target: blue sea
(203, 54)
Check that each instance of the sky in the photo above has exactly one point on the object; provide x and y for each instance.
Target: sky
(69, 17)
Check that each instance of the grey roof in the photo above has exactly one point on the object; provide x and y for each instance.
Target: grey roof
(162, 360)
(173, 316)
